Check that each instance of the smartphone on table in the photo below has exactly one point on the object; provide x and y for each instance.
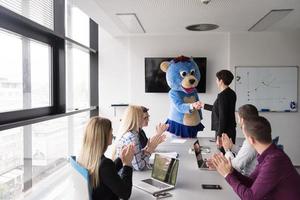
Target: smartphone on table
(211, 186)
(162, 195)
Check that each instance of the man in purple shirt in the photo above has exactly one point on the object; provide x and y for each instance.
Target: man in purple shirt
(273, 178)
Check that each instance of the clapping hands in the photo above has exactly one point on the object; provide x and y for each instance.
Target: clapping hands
(157, 138)
(226, 142)
(222, 165)
(127, 154)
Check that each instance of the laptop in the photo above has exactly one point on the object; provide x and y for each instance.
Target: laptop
(163, 177)
(200, 161)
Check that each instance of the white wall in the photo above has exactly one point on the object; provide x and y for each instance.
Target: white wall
(272, 49)
(122, 72)
(114, 75)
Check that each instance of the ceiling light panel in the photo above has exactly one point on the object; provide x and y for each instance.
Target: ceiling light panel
(269, 19)
(132, 22)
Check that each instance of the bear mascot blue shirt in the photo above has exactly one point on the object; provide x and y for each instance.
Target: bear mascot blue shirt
(183, 76)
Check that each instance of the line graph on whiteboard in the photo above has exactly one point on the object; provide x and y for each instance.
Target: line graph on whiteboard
(268, 88)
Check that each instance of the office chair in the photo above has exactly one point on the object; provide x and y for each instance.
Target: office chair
(80, 181)
(275, 141)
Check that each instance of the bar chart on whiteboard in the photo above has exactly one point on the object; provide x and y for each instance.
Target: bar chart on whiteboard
(270, 89)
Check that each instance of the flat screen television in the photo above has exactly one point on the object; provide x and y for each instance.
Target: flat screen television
(155, 78)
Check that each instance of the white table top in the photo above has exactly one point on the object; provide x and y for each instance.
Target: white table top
(190, 177)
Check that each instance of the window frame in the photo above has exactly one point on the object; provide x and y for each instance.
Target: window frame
(56, 39)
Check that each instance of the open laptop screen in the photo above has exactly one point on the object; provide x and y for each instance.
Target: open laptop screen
(165, 169)
(198, 154)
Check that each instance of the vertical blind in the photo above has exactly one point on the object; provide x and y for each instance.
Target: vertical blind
(39, 11)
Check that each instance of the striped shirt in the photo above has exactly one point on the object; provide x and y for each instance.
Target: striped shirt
(140, 159)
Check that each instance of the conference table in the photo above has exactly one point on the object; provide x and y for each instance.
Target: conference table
(190, 177)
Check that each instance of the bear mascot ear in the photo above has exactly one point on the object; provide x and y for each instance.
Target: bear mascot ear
(164, 66)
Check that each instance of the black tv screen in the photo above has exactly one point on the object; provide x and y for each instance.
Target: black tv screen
(155, 78)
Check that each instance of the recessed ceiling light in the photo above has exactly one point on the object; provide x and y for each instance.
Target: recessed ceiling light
(132, 22)
(202, 27)
(270, 18)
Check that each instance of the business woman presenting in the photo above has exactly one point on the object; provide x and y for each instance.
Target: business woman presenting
(223, 109)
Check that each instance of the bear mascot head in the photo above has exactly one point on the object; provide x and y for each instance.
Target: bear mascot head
(183, 76)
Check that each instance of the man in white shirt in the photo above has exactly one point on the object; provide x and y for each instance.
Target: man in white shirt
(243, 159)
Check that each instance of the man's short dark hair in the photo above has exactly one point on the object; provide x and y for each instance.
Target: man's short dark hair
(225, 75)
(259, 128)
(248, 111)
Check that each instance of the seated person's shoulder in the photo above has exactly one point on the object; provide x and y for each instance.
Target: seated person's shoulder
(129, 135)
(277, 158)
(106, 162)
(126, 139)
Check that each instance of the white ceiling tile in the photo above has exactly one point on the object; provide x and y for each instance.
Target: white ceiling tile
(172, 16)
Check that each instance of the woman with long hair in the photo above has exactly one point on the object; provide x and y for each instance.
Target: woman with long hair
(104, 178)
(131, 124)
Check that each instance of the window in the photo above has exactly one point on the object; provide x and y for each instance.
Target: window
(39, 11)
(49, 147)
(78, 77)
(11, 87)
(25, 73)
(52, 142)
(11, 163)
(77, 58)
(46, 79)
(40, 63)
(77, 24)
(76, 128)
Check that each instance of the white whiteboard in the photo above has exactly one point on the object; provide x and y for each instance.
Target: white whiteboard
(273, 89)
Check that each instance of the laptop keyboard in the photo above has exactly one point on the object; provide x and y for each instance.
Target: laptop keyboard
(155, 183)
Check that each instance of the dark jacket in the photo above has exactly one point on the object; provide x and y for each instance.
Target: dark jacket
(113, 186)
(223, 113)
(143, 138)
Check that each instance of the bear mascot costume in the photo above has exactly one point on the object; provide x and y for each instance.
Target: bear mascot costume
(183, 76)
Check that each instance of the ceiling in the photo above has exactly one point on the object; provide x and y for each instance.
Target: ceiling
(160, 17)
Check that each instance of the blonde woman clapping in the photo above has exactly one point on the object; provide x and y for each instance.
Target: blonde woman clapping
(105, 181)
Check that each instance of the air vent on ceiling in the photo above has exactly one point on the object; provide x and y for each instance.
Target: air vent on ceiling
(132, 22)
(269, 19)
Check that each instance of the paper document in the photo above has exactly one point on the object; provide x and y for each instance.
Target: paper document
(178, 141)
